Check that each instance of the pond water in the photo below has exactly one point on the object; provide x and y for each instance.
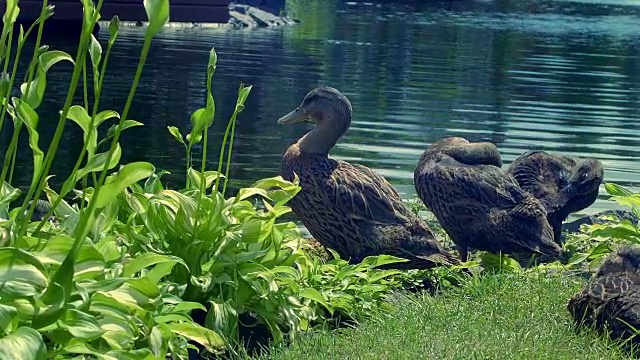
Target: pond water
(553, 75)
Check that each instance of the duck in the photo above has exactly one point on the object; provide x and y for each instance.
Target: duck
(41, 209)
(611, 300)
(479, 205)
(563, 184)
(348, 207)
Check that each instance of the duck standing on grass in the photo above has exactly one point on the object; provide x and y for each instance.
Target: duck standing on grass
(478, 204)
(348, 207)
(563, 184)
(611, 301)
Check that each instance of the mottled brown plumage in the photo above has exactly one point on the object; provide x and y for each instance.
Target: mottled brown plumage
(348, 207)
(612, 298)
(478, 204)
(562, 184)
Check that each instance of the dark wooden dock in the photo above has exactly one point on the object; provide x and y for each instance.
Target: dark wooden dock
(197, 11)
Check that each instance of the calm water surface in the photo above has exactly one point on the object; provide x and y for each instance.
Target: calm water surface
(553, 75)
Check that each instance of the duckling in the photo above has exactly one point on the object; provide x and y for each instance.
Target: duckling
(349, 207)
(612, 298)
(478, 204)
(563, 184)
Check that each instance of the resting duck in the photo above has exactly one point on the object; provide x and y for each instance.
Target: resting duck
(563, 184)
(348, 207)
(612, 298)
(478, 204)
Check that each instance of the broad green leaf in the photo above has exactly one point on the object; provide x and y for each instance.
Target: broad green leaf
(129, 174)
(112, 130)
(7, 313)
(157, 14)
(95, 51)
(89, 263)
(34, 91)
(187, 306)
(211, 340)
(24, 343)
(246, 193)
(11, 12)
(81, 325)
(108, 248)
(617, 190)
(159, 340)
(138, 294)
(176, 134)
(147, 259)
(21, 274)
(196, 178)
(29, 117)
(50, 58)
(97, 162)
(55, 249)
(315, 295)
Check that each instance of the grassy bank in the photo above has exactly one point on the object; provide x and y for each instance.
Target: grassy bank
(504, 316)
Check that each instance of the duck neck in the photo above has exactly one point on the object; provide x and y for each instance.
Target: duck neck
(325, 134)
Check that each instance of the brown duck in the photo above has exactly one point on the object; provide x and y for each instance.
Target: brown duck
(348, 207)
(562, 184)
(478, 204)
(612, 298)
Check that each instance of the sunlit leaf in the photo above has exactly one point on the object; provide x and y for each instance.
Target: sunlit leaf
(176, 134)
(10, 13)
(95, 51)
(34, 91)
(148, 259)
(24, 343)
(81, 325)
(159, 340)
(129, 174)
(29, 117)
(157, 14)
(315, 295)
(7, 313)
(211, 340)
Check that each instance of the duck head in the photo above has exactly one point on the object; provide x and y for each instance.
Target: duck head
(585, 179)
(331, 113)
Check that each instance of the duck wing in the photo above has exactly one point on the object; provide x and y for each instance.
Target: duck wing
(364, 195)
(587, 302)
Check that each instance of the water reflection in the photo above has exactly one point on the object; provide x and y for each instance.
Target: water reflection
(552, 75)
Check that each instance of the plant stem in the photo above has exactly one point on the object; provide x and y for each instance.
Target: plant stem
(53, 147)
(82, 228)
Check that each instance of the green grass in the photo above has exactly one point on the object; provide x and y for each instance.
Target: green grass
(505, 316)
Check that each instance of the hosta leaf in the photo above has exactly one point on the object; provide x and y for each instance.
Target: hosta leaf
(81, 325)
(129, 174)
(25, 113)
(187, 306)
(135, 293)
(315, 295)
(157, 14)
(159, 340)
(147, 259)
(21, 274)
(24, 343)
(211, 340)
(108, 248)
(7, 313)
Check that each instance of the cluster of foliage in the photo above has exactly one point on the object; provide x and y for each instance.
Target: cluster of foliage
(128, 264)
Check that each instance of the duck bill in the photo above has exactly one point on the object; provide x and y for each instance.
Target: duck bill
(296, 116)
